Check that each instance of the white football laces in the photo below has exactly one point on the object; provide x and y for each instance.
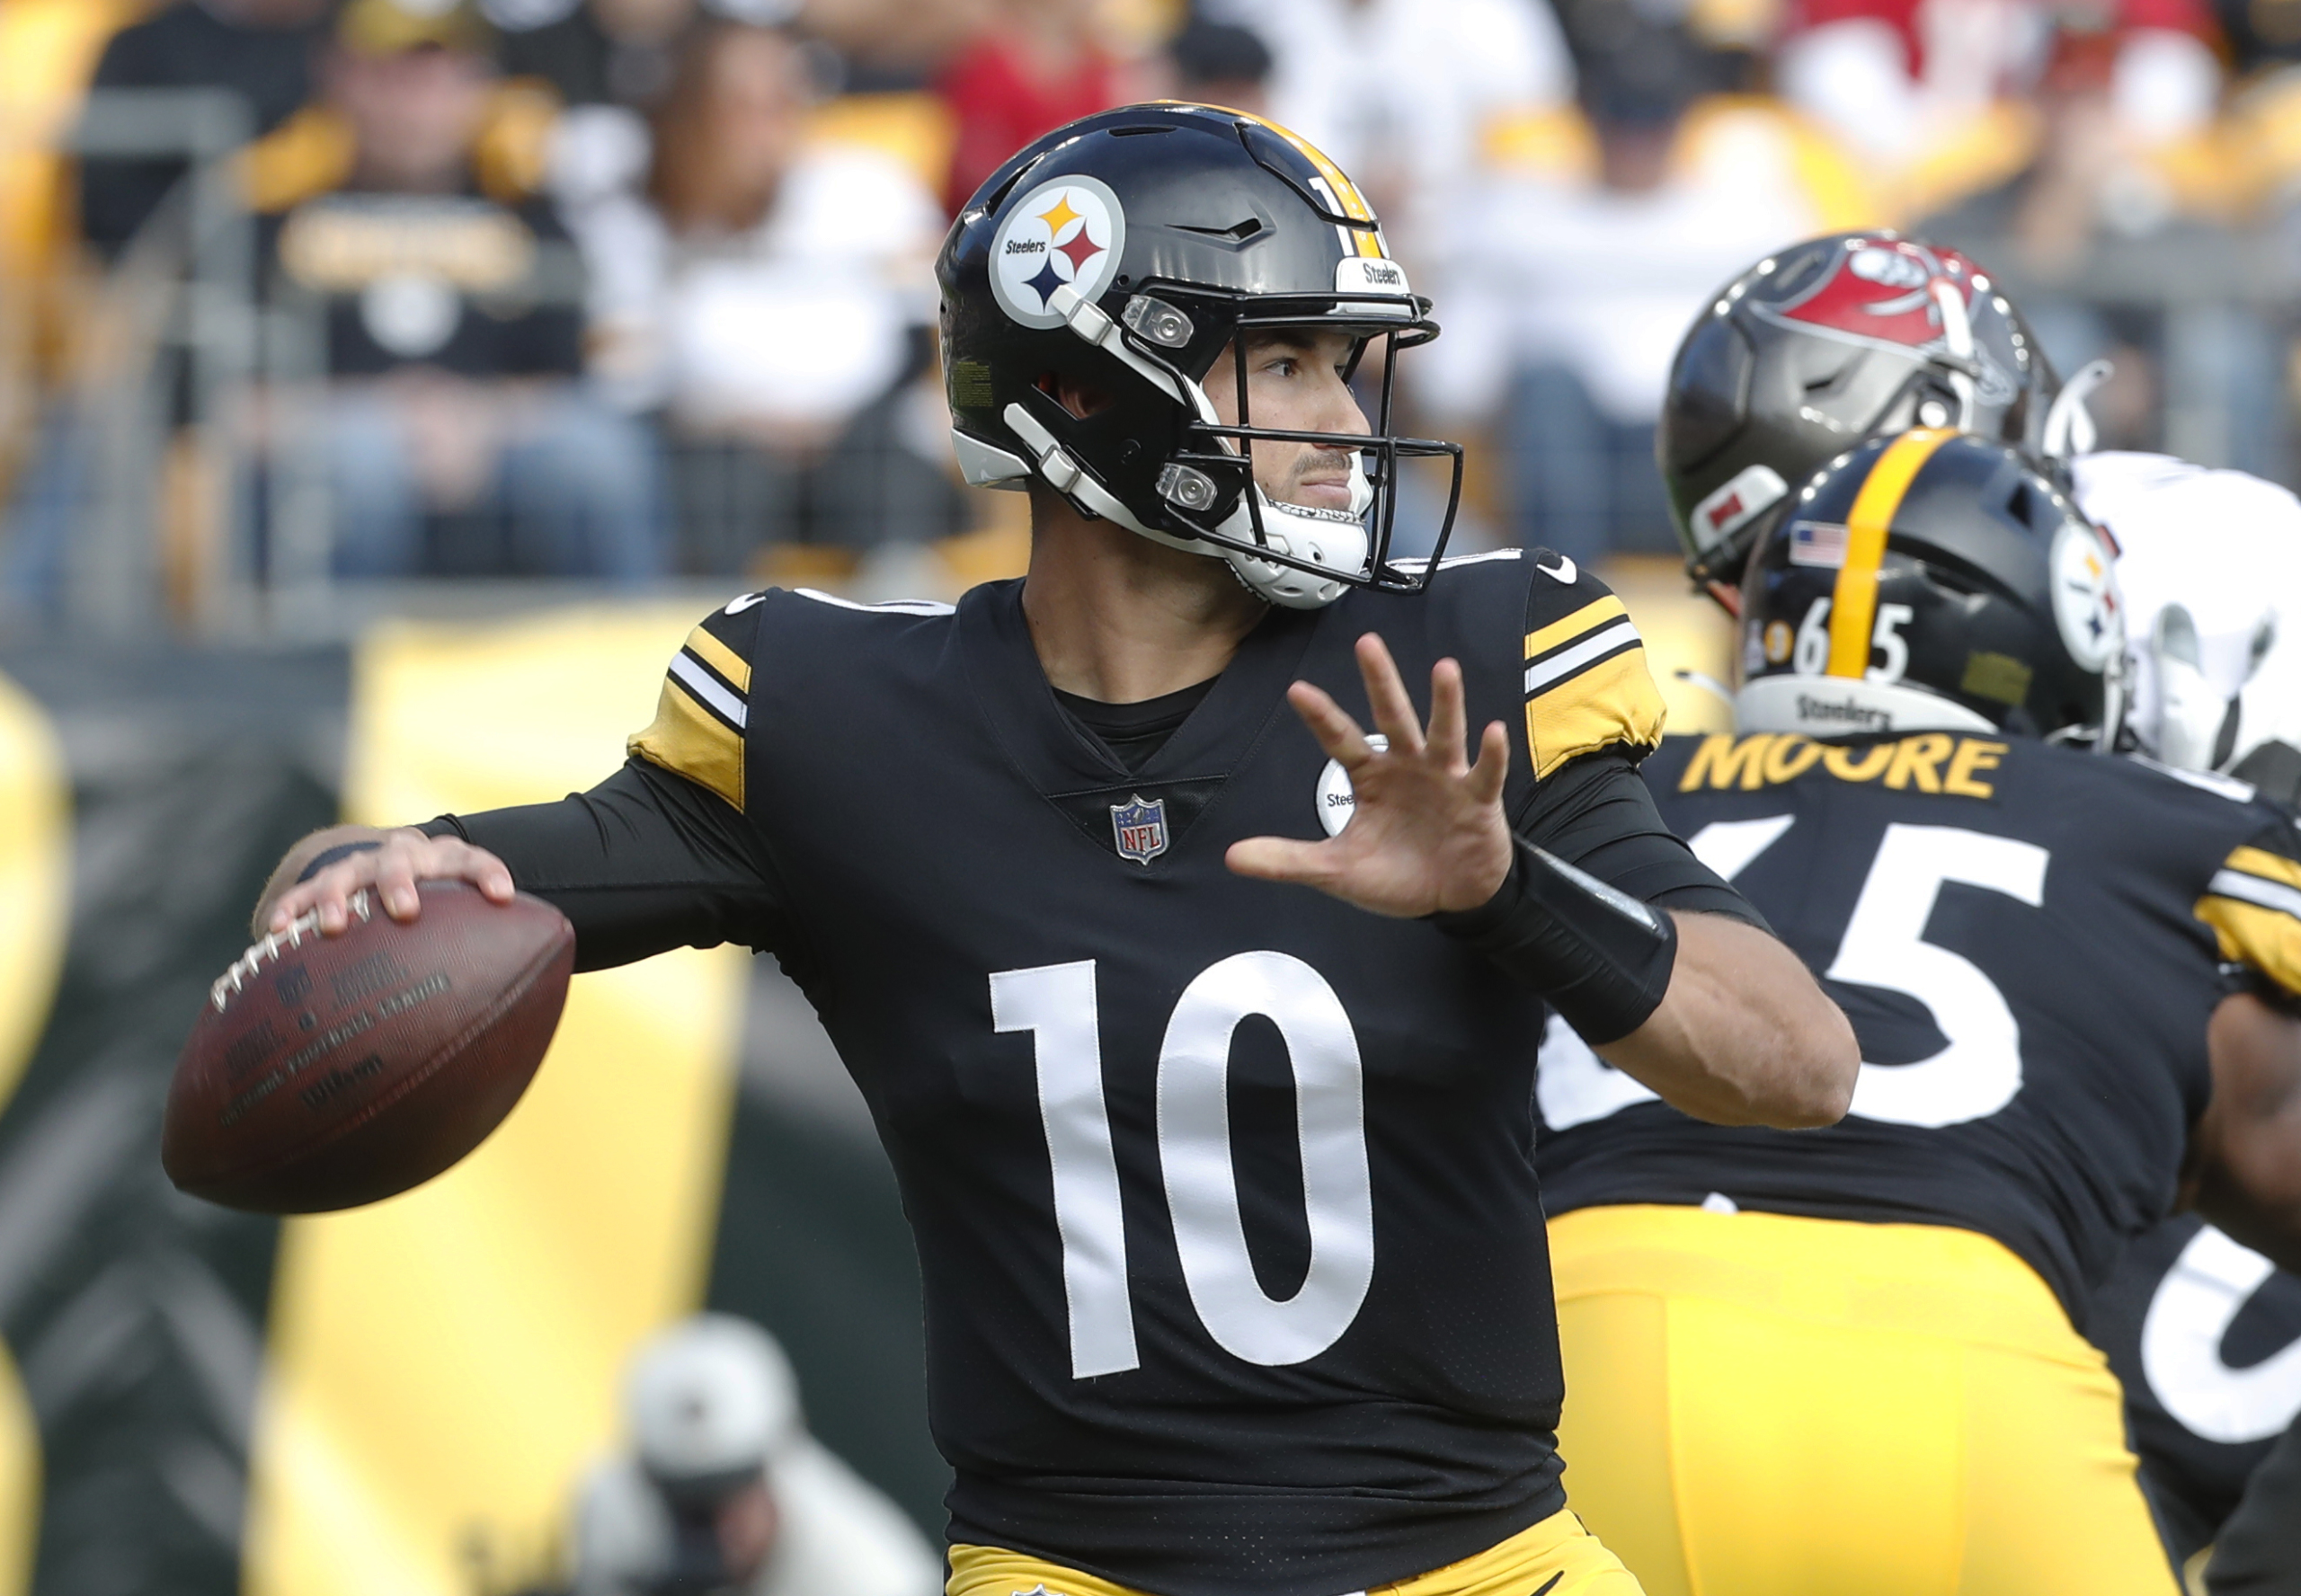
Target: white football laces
(245, 967)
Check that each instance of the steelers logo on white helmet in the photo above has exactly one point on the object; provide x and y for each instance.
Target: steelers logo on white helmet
(2086, 596)
(1070, 231)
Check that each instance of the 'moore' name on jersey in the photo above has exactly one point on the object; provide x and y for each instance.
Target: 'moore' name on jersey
(2028, 941)
(1233, 1253)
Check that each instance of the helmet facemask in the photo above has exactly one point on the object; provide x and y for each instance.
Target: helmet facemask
(1297, 555)
(1206, 499)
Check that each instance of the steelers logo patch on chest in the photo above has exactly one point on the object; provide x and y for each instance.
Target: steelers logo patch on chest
(1335, 799)
(1070, 231)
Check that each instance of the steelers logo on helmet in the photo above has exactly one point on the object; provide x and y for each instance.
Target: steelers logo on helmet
(2086, 596)
(1069, 232)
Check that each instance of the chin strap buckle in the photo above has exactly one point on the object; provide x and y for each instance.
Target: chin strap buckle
(1186, 487)
(1061, 471)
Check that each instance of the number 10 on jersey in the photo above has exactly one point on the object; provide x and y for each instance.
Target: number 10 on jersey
(1056, 1003)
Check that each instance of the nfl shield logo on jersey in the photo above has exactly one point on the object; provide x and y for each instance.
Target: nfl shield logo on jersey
(1139, 829)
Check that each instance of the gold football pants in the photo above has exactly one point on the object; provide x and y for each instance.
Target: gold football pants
(1758, 1404)
(1556, 1558)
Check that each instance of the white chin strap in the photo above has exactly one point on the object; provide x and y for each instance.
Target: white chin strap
(1334, 538)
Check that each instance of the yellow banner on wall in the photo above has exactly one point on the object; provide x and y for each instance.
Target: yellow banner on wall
(443, 1363)
(35, 907)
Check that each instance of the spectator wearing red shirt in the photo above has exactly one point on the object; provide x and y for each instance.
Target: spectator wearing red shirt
(1038, 65)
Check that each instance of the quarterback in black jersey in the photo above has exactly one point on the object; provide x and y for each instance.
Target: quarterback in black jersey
(1224, 1190)
(2066, 972)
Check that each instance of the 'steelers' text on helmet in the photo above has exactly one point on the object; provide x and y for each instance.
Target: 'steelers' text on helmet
(1818, 347)
(1125, 251)
(1934, 581)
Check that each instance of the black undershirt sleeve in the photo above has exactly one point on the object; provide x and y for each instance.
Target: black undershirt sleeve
(1596, 814)
(1579, 917)
(645, 862)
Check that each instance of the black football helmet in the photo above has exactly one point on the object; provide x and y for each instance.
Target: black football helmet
(1821, 345)
(1127, 251)
(1934, 581)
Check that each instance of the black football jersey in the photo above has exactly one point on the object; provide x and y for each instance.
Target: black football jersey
(2029, 941)
(1224, 1190)
(2205, 1334)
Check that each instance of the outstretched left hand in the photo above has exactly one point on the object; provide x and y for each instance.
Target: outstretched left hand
(1427, 832)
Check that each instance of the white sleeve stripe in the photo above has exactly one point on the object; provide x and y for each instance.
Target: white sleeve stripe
(909, 606)
(1545, 671)
(708, 688)
(1412, 564)
(2254, 890)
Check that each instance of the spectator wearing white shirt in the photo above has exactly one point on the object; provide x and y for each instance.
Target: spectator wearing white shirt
(1570, 290)
(760, 289)
(1402, 94)
(723, 1492)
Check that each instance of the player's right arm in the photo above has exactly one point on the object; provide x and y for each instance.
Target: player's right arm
(659, 856)
(2244, 1162)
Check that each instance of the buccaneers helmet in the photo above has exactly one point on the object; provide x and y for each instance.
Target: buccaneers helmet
(1933, 581)
(1814, 349)
(1125, 251)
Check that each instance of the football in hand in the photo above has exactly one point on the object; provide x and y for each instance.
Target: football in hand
(325, 1072)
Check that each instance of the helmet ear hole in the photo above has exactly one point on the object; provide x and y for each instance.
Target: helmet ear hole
(1081, 399)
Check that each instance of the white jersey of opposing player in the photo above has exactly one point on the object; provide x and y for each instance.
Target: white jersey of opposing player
(837, 1533)
(2226, 547)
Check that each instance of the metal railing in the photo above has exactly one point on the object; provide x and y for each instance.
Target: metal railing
(180, 295)
(197, 332)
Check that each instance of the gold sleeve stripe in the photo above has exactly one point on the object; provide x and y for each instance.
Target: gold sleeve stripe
(731, 667)
(1600, 610)
(709, 691)
(2268, 939)
(2280, 895)
(1853, 605)
(1563, 665)
(1613, 701)
(691, 740)
(2269, 866)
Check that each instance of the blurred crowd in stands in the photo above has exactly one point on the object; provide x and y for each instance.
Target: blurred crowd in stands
(625, 290)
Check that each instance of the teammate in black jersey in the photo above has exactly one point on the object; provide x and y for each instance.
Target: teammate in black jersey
(1224, 1190)
(1859, 335)
(1847, 1361)
(2205, 1335)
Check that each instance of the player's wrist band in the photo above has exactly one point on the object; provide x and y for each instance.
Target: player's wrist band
(1602, 958)
(327, 857)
